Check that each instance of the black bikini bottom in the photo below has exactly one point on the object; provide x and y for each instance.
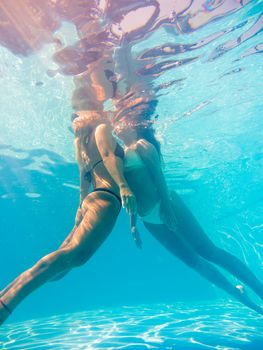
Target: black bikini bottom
(102, 189)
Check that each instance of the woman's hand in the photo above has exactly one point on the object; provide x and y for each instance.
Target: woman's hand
(128, 200)
(134, 231)
(136, 237)
(168, 214)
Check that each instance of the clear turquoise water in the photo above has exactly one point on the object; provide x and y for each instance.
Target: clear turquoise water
(159, 326)
(210, 126)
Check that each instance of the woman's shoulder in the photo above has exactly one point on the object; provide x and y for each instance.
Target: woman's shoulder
(142, 143)
(103, 128)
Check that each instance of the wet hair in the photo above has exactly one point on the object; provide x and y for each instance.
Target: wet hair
(149, 110)
(140, 117)
(85, 121)
(148, 133)
(145, 128)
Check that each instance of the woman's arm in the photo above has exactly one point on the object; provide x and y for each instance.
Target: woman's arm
(106, 145)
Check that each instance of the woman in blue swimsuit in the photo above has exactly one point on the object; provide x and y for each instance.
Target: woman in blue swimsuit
(169, 220)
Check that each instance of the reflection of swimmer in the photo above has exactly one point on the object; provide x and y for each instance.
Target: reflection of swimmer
(100, 162)
(168, 219)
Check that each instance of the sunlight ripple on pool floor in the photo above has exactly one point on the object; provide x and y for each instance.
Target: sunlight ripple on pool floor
(225, 326)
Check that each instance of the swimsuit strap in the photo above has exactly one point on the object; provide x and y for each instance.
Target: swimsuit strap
(88, 173)
(95, 164)
(102, 189)
(119, 152)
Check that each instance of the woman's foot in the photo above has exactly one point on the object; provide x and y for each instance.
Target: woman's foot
(246, 300)
(4, 312)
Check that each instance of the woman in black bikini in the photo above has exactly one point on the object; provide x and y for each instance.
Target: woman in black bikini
(100, 164)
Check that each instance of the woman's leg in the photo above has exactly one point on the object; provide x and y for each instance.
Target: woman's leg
(57, 277)
(96, 225)
(64, 244)
(190, 230)
(181, 249)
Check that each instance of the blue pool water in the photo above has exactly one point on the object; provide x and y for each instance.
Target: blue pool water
(202, 61)
(160, 326)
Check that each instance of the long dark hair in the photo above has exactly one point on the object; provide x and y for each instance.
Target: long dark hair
(141, 117)
(148, 133)
(146, 120)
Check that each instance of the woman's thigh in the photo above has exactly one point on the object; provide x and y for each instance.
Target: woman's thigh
(174, 243)
(189, 228)
(100, 211)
